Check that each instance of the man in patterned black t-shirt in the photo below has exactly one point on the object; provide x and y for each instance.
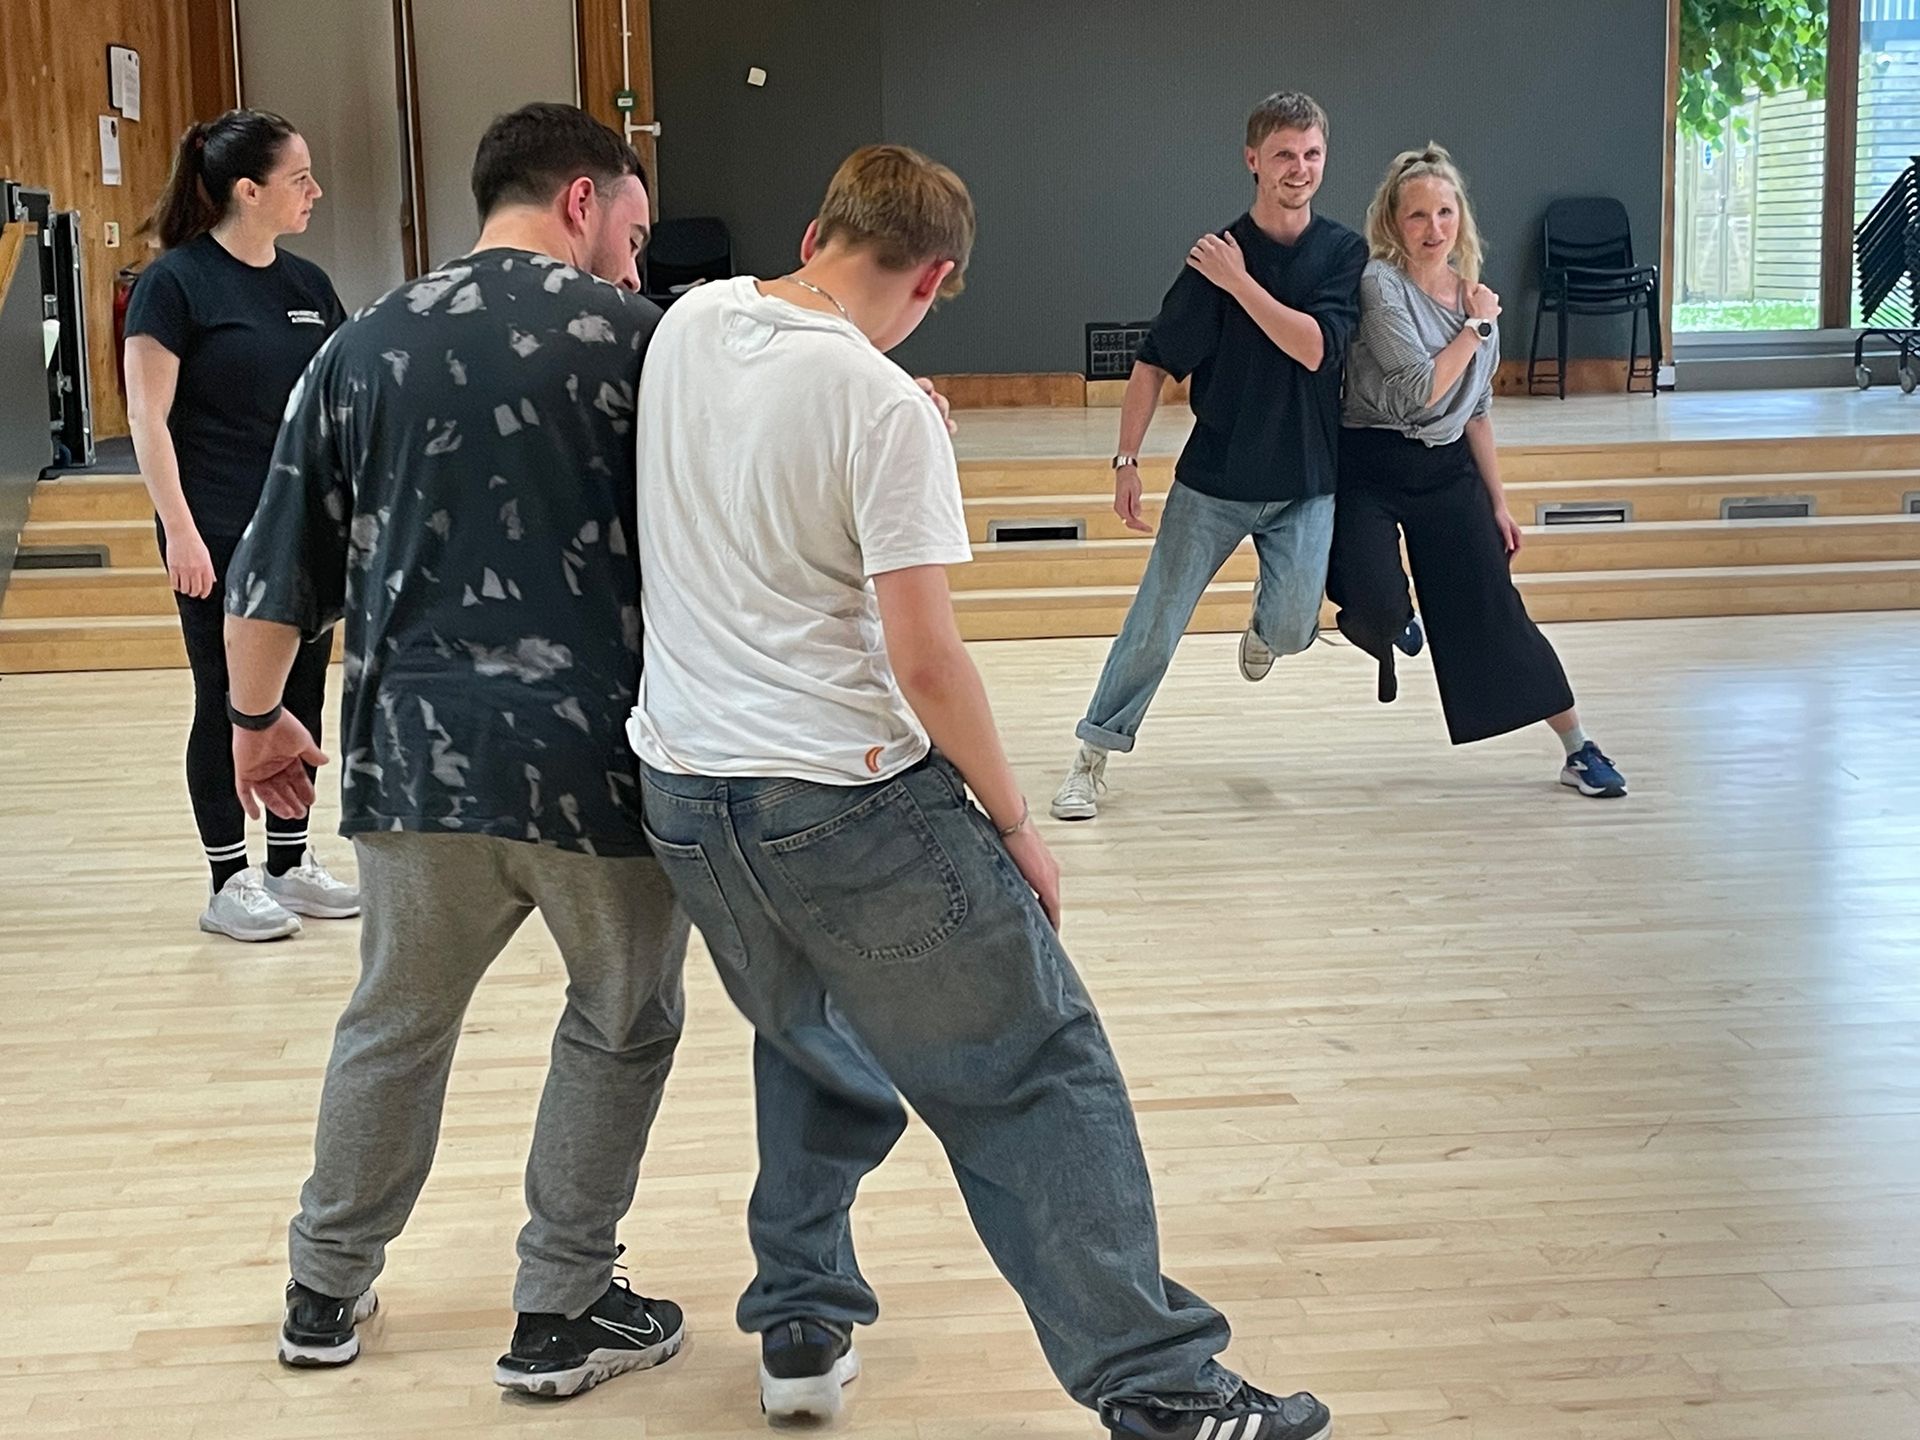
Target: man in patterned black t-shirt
(455, 478)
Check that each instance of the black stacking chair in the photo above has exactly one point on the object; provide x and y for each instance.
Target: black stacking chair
(1587, 269)
(682, 253)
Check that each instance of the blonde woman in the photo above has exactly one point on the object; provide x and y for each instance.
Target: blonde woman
(1417, 456)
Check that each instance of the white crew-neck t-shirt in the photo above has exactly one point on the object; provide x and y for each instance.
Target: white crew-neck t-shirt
(783, 463)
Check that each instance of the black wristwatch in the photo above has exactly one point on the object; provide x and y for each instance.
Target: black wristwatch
(253, 722)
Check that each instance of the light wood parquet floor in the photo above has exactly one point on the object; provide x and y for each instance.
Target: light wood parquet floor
(1487, 1112)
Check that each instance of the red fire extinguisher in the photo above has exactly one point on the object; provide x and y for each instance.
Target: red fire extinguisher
(123, 282)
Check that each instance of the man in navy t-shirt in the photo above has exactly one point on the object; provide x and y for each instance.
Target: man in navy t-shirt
(1260, 320)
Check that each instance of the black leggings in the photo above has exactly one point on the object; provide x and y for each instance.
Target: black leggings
(216, 808)
(1495, 670)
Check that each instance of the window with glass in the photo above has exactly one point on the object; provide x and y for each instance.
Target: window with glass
(1888, 139)
(1750, 168)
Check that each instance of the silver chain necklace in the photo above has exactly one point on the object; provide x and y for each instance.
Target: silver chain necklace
(809, 285)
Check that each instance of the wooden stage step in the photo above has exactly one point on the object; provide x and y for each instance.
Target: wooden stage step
(1729, 590)
(125, 542)
(1860, 549)
(113, 642)
(1671, 497)
(152, 641)
(104, 642)
(1580, 595)
(1699, 497)
(1082, 475)
(87, 592)
(1642, 545)
(92, 497)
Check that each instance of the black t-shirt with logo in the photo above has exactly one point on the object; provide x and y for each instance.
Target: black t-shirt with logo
(244, 333)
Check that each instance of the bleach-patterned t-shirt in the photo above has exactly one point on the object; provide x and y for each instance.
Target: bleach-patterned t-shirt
(455, 478)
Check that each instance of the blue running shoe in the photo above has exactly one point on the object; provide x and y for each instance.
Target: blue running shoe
(1592, 773)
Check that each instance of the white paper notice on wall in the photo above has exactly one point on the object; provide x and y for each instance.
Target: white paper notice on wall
(123, 80)
(109, 149)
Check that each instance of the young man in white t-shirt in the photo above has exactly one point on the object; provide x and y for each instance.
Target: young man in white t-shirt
(811, 725)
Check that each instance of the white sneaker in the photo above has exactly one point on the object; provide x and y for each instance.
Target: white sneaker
(243, 910)
(1256, 658)
(308, 889)
(805, 1366)
(1078, 797)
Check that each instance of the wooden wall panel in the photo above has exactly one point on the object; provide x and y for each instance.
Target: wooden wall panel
(983, 392)
(600, 40)
(34, 142)
(214, 57)
(53, 89)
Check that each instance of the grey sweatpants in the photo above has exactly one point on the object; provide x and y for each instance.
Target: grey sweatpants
(438, 909)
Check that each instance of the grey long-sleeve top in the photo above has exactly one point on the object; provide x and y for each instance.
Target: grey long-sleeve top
(1390, 365)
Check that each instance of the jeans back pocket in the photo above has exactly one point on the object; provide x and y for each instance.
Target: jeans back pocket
(697, 889)
(875, 878)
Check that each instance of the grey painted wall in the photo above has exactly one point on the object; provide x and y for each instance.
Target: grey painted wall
(1099, 137)
(330, 70)
(479, 59)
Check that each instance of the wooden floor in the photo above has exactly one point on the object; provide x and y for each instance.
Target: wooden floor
(1487, 1112)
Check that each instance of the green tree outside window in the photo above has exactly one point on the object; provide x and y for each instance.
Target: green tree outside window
(1729, 49)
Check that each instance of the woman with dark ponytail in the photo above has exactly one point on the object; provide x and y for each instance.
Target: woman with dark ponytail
(219, 329)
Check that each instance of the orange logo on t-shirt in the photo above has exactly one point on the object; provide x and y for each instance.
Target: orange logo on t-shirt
(873, 759)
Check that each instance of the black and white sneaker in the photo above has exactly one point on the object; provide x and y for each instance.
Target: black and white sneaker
(1251, 1414)
(621, 1331)
(320, 1329)
(804, 1365)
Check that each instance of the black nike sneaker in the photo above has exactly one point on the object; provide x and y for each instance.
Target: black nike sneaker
(1249, 1414)
(804, 1365)
(621, 1331)
(321, 1329)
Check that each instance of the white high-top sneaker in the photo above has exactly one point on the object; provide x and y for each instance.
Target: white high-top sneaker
(1078, 797)
(243, 910)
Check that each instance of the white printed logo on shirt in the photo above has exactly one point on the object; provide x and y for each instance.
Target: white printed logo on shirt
(306, 317)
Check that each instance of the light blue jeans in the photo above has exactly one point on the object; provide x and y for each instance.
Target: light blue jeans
(1197, 534)
(879, 936)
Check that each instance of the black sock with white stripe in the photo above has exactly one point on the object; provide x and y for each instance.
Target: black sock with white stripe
(285, 850)
(225, 862)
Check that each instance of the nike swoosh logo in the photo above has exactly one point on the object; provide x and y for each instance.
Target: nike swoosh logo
(632, 1332)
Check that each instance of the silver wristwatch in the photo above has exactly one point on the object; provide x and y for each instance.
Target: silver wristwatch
(1482, 328)
(1120, 462)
